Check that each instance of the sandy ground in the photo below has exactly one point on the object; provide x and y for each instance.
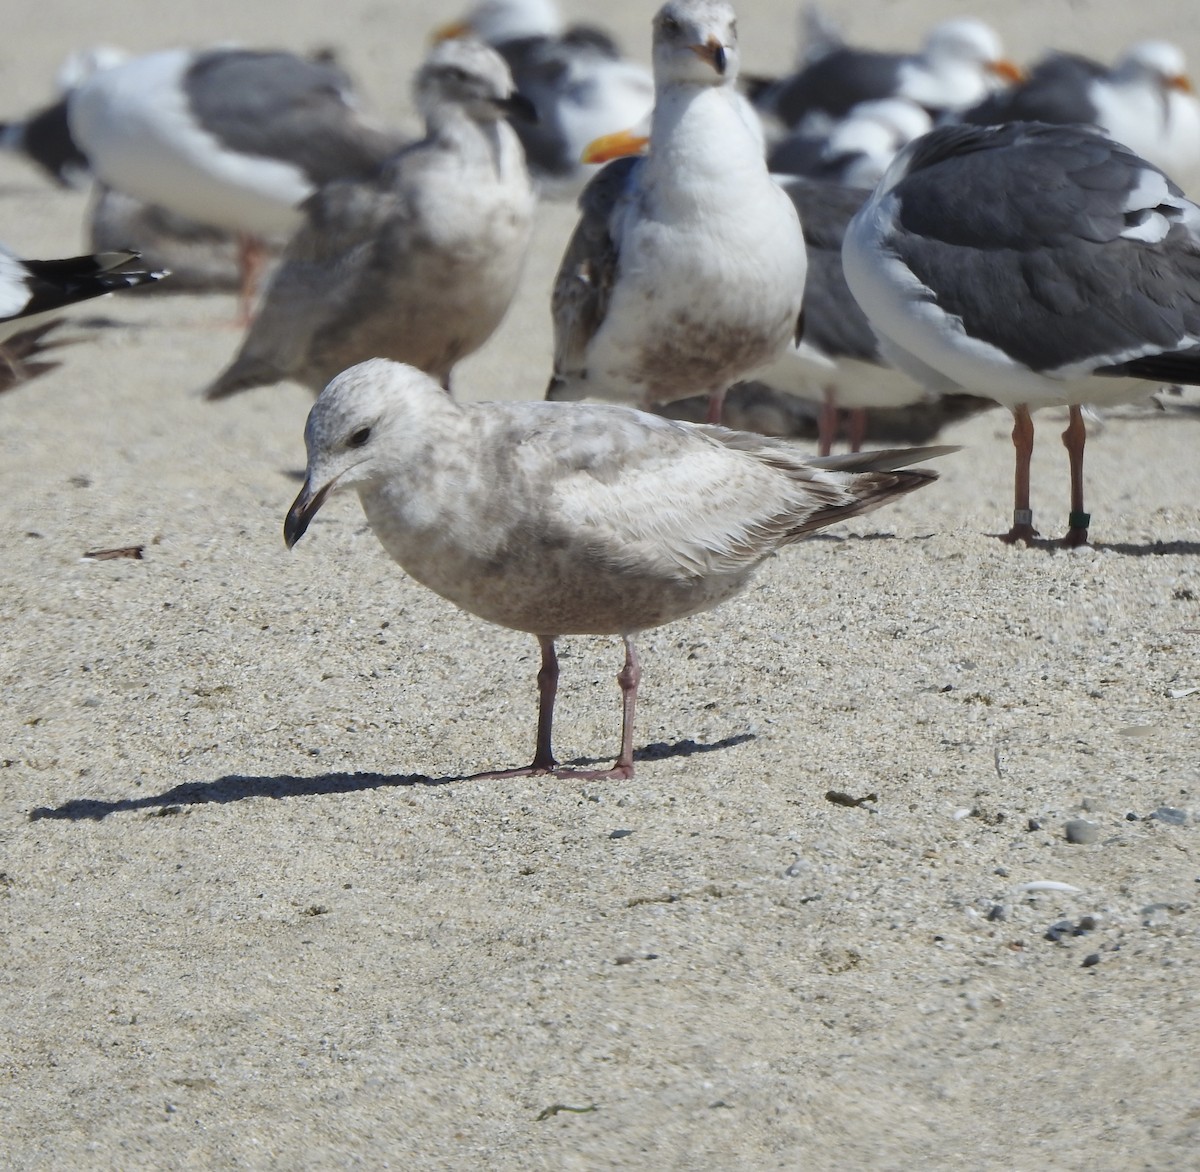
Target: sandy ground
(251, 915)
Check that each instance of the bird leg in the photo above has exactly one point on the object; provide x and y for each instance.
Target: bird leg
(628, 679)
(1074, 439)
(857, 430)
(827, 423)
(1022, 437)
(252, 259)
(716, 406)
(543, 757)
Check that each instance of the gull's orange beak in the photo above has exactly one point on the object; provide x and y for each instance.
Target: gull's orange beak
(451, 31)
(1010, 71)
(713, 52)
(1181, 83)
(614, 146)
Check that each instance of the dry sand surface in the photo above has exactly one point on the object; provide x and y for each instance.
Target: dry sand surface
(251, 916)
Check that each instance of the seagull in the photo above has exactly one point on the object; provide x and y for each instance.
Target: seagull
(419, 265)
(43, 137)
(1145, 101)
(31, 290)
(855, 151)
(576, 77)
(960, 62)
(839, 362)
(1036, 265)
(570, 519)
(233, 138)
(686, 270)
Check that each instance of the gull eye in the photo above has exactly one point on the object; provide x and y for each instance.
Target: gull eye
(670, 24)
(358, 438)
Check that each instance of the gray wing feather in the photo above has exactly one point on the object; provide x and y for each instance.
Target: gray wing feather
(588, 271)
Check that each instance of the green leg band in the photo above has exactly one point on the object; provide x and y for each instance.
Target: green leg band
(1079, 520)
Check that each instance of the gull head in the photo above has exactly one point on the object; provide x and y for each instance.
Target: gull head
(695, 42)
(467, 74)
(1159, 62)
(967, 41)
(500, 21)
(357, 431)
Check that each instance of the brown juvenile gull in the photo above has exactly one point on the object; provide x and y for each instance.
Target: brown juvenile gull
(687, 269)
(419, 265)
(572, 519)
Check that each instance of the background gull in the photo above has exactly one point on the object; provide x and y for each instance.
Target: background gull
(43, 137)
(838, 363)
(960, 62)
(419, 265)
(857, 149)
(229, 137)
(31, 291)
(576, 77)
(1037, 265)
(687, 268)
(1144, 101)
(563, 519)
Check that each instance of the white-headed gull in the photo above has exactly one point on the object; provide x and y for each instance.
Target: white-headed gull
(687, 268)
(229, 137)
(1037, 265)
(960, 62)
(1145, 100)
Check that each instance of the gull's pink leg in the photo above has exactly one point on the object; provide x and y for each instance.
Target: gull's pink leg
(543, 757)
(1022, 437)
(628, 679)
(858, 428)
(252, 259)
(716, 406)
(1074, 439)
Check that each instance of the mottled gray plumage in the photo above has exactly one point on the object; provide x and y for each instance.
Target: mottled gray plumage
(419, 265)
(557, 518)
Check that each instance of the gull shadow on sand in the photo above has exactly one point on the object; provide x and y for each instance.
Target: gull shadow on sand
(235, 787)
(1124, 548)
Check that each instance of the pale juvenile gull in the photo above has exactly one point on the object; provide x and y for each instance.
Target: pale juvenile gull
(576, 77)
(1145, 101)
(419, 265)
(960, 62)
(687, 268)
(229, 137)
(564, 519)
(838, 363)
(1037, 265)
